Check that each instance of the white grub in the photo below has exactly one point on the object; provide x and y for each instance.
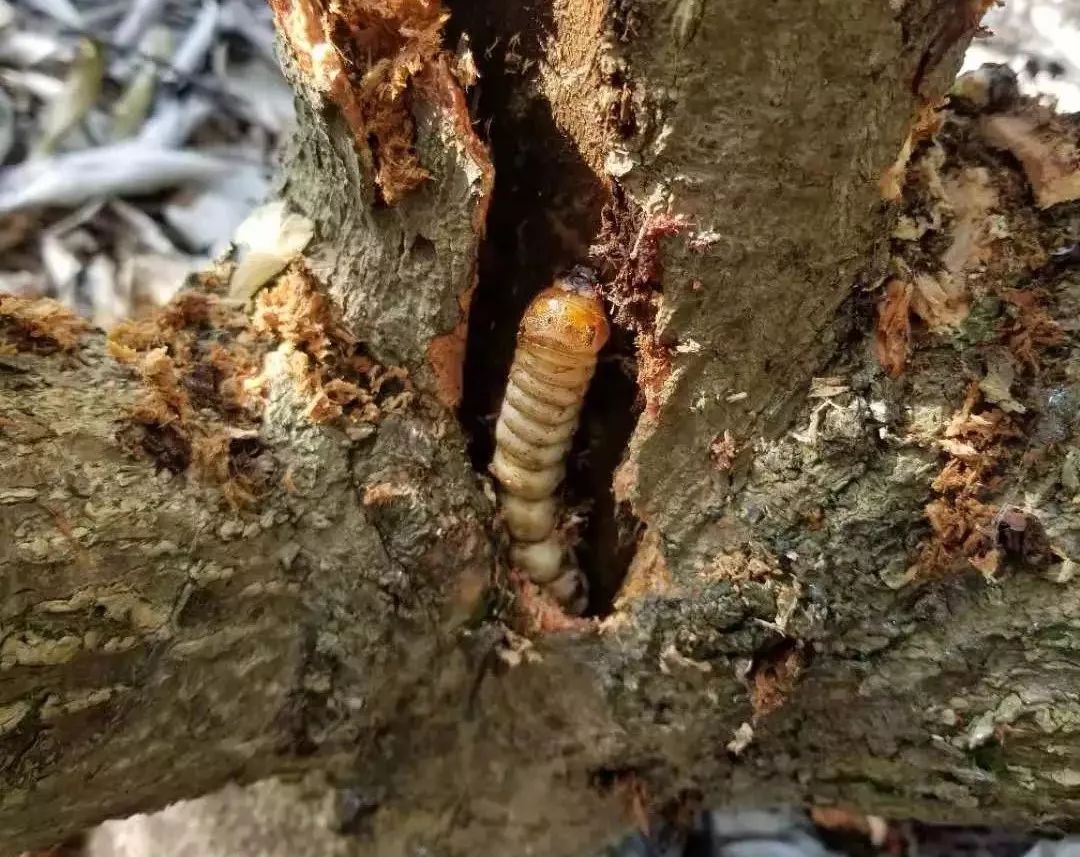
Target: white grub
(558, 340)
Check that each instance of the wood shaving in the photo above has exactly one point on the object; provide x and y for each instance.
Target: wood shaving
(940, 300)
(722, 451)
(39, 324)
(773, 681)
(892, 333)
(1045, 148)
(331, 370)
(364, 55)
(294, 311)
(924, 124)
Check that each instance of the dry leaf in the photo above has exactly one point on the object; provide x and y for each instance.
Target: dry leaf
(268, 241)
(78, 95)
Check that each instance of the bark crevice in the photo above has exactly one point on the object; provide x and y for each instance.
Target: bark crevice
(544, 217)
(345, 621)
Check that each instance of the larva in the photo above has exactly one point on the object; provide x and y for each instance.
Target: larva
(560, 335)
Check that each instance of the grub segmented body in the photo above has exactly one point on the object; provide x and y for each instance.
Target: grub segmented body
(560, 335)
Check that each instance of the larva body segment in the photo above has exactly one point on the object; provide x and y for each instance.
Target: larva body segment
(560, 335)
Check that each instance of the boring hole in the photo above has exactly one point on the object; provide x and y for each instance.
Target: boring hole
(544, 213)
(610, 532)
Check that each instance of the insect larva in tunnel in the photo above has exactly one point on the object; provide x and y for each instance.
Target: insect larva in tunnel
(560, 335)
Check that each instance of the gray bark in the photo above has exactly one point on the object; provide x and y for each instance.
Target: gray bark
(155, 645)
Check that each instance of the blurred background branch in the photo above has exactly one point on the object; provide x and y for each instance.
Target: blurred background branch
(135, 137)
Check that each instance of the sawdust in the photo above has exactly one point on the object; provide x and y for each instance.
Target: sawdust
(535, 613)
(741, 566)
(236, 460)
(773, 681)
(723, 450)
(892, 333)
(200, 359)
(1030, 330)
(966, 235)
(977, 442)
(989, 229)
(383, 493)
(38, 324)
(330, 367)
(962, 530)
(195, 412)
(294, 311)
(627, 251)
(364, 56)
(164, 400)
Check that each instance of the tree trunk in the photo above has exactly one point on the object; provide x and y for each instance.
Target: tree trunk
(796, 594)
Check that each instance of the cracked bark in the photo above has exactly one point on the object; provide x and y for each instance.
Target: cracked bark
(155, 645)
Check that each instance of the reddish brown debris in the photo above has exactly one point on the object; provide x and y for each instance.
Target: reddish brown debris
(363, 55)
(1032, 330)
(773, 681)
(539, 614)
(892, 334)
(38, 324)
(722, 450)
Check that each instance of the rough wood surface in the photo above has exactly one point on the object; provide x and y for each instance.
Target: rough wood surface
(155, 644)
(765, 128)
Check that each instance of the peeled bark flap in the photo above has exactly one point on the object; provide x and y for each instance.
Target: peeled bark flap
(767, 126)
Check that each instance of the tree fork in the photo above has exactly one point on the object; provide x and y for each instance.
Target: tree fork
(155, 644)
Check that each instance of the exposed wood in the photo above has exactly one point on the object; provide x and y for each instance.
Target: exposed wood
(808, 574)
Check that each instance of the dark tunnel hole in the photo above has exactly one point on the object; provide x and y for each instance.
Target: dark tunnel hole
(544, 214)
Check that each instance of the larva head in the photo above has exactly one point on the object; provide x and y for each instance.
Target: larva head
(567, 317)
